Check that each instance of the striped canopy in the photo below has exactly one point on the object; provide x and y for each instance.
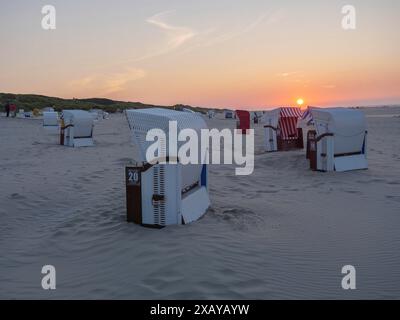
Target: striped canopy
(288, 123)
(291, 112)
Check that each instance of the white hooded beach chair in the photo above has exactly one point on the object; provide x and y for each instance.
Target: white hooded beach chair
(51, 122)
(21, 113)
(340, 140)
(77, 128)
(210, 114)
(162, 191)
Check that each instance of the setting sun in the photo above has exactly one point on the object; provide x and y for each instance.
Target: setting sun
(300, 102)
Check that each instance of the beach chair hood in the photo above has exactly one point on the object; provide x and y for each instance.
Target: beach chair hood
(285, 119)
(143, 120)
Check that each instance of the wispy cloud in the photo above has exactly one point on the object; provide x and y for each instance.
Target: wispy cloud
(287, 74)
(117, 82)
(176, 35)
(329, 86)
(269, 17)
(103, 83)
(83, 82)
(111, 83)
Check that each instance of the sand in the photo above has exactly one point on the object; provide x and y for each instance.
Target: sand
(284, 232)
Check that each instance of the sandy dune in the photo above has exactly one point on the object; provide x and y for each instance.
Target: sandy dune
(284, 232)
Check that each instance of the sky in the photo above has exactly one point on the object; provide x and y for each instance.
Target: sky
(211, 53)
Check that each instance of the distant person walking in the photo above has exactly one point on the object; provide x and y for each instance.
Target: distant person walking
(8, 109)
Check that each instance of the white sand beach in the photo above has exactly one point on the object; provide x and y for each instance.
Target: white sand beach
(283, 232)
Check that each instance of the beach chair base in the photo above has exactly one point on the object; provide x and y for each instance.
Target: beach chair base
(320, 152)
(154, 196)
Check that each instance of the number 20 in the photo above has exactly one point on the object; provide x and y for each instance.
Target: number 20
(133, 176)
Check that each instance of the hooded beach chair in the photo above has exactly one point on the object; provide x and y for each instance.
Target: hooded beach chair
(338, 141)
(161, 191)
(281, 132)
(243, 121)
(77, 128)
(51, 122)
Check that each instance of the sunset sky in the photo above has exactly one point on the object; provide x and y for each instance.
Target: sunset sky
(211, 53)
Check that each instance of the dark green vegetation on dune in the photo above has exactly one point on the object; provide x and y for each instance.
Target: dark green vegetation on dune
(29, 102)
